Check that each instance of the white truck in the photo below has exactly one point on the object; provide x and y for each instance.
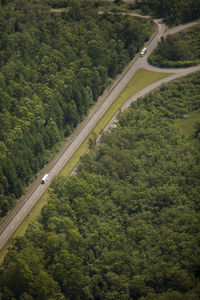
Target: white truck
(143, 51)
(45, 178)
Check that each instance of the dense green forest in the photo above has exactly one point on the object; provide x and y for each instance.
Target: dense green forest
(53, 67)
(127, 226)
(178, 50)
(173, 11)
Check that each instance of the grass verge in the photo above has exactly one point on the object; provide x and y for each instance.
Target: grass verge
(187, 125)
(139, 81)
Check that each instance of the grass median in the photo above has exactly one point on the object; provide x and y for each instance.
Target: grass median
(139, 81)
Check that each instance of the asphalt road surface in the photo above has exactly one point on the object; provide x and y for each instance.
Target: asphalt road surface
(12, 222)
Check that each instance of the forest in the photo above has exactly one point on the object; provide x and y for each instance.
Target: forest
(174, 12)
(53, 67)
(127, 225)
(179, 50)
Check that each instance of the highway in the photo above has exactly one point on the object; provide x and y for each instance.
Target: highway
(10, 225)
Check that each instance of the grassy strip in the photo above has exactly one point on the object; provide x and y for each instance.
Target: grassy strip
(139, 81)
(31, 217)
(187, 126)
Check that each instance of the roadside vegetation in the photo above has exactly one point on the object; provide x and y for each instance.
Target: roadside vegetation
(53, 68)
(127, 225)
(174, 12)
(141, 79)
(179, 50)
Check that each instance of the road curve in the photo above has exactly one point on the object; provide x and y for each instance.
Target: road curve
(176, 73)
(150, 88)
(10, 226)
(181, 27)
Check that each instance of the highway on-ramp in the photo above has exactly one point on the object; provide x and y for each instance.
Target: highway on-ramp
(12, 223)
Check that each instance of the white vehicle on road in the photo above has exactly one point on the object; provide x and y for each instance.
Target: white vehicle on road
(45, 178)
(144, 50)
(13, 221)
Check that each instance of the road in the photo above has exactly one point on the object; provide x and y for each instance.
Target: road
(11, 224)
(180, 27)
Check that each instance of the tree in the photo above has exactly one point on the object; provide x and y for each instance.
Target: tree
(75, 10)
(45, 287)
(118, 2)
(18, 277)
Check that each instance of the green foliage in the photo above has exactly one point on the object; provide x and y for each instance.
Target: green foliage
(127, 226)
(53, 67)
(179, 50)
(173, 11)
(118, 2)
